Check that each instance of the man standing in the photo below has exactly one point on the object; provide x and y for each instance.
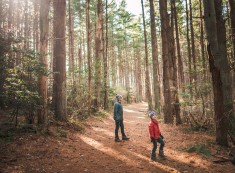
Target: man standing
(118, 117)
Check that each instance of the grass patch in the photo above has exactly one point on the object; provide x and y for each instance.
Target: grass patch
(202, 149)
(8, 130)
(76, 124)
(197, 129)
(7, 136)
(102, 113)
(61, 132)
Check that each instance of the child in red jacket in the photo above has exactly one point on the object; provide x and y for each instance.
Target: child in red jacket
(155, 135)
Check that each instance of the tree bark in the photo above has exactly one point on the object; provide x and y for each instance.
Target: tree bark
(232, 18)
(220, 125)
(35, 26)
(106, 59)
(168, 114)
(224, 67)
(193, 44)
(155, 62)
(173, 70)
(26, 27)
(10, 15)
(1, 14)
(202, 41)
(216, 35)
(43, 84)
(189, 51)
(180, 63)
(71, 43)
(59, 60)
(147, 80)
(98, 54)
(88, 31)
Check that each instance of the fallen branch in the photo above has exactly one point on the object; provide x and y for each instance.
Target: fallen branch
(224, 159)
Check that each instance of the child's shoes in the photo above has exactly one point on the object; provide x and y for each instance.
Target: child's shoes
(161, 154)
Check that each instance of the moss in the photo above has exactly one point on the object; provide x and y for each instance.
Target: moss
(199, 149)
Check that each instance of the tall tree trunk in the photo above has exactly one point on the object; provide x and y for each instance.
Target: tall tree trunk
(173, 70)
(10, 22)
(193, 44)
(147, 80)
(59, 92)
(88, 31)
(232, 18)
(156, 84)
(2, 63)
(10, 15)
(98, 54)
(26, 25)
(189, 50)
(44, 29)
(225, 68)
(139, 77)
(35, 26)
(168, 116)
(106, 58)
(220, 123)
(71, 43)
(18, 27)
(202, 41)
(126, 67)
(1, 14)
(180, 63)
(216, 35)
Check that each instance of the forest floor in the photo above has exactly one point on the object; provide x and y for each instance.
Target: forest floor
(94, 150)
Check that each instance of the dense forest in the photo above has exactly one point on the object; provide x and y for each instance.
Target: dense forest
(67, 59)
(72, 57)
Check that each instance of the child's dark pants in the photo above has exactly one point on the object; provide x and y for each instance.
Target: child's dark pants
(154, 141)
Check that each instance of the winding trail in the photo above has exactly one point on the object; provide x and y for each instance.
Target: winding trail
(95, 151)
(134, 155)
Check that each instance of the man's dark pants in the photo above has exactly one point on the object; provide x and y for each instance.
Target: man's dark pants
(118, 124)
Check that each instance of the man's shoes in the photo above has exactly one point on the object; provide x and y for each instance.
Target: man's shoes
(117, 140)
(125, 138)
(153, 158)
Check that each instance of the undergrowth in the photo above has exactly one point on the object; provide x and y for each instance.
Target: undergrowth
(200, 149)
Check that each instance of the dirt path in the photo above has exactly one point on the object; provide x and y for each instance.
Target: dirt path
(95, 150)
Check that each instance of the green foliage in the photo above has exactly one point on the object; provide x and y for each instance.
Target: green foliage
(19, 77)
(8, 130)
(77, 123)
(203, 89)
(61, 132)
(102, 113)
(6, 136)
(78, 105)
(199, 149)
(21, 85)
(6, 38)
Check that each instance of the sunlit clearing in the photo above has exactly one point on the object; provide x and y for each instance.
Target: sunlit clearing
(109, 151)
(159, 165)
(141, 117)
(187, 158)
(117, 155)
(106, 132)
(128, 110)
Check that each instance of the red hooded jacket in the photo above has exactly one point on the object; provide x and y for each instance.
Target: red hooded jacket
(154, 129)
